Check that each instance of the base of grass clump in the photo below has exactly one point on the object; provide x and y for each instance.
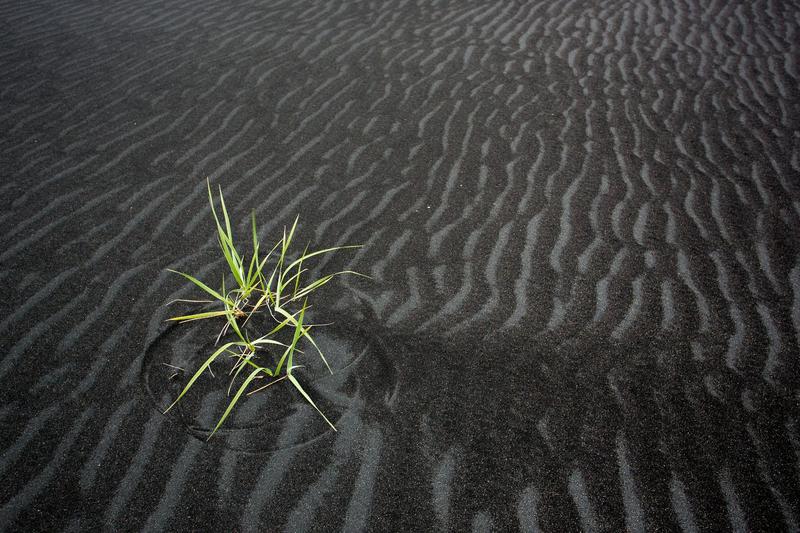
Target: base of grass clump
(262, 330)
(357, 361)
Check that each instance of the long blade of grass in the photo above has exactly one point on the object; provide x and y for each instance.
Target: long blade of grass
(253, 271)
(289, 352)
(241, 390)
(197, 374)
(263, 340)
(271, 383)
(226, 236)
(295, 277)
(269, 254)
(232, 258)
(297, 333)
(228, 231)
(183, 300)
(305, 291)
(288, 240)
(243, 359)
(200, 284)
(231, 317)
(197, 316)
(320, 252)
(309, 400)
(211, 202)
(304, 332)
(299, 271)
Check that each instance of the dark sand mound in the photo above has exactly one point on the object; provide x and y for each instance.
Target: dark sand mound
(582, 221)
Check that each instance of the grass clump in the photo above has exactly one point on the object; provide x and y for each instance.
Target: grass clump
(271, 286)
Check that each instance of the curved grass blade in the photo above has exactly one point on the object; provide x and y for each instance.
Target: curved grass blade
(200, 284)
(320, 252)
(199, 372)
(197, 316)
(304, 332)
(322, 281)
(271, 383)
(308, 399)
(241, 390)
(246, 359)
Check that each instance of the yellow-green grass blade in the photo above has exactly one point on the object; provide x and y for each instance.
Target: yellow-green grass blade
(297, 333)
(211, 202)
(226, 236)
(233, 259)
(299, 271)
(269, 254)
(259, 271)
(268, 285)
(185, 301)
(197, 374)
(264, 340)
(320, 252)
(228, 231)
(252, 271)
(232, 321)
(282, 324)
(264, 297)
(295, 277)
(289, 352)
(305, 291)
(200, 284)
(309, 400)
(197, 316)
(287, 238)
(304, 332)
(243, 359)
(246, 358)
(314, 343)
(235, 399)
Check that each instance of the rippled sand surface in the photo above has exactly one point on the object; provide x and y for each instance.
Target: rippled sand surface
(581, 220)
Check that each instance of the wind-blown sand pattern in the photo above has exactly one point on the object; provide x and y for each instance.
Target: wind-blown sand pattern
(581, 219)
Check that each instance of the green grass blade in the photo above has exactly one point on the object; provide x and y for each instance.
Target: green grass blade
(235, 399)
(303, 331)
(320, 252)
(289, 352)
(200, 284)
(197, 316)
(231, 317)
(228, 231)
(245, 358)
(197, 374)
(309, 400)
(299, 271)
(233, 259)
(305, 291)
(295, 277)
(263, 340)
(291, 232)
(253, 270)
(226, 236)
(242, 360)
(282, 324)
(211, 202)
(298, 331)
(314, 343)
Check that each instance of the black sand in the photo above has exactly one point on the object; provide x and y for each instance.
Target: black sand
(581, 219)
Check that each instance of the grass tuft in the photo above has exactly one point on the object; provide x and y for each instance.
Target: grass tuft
(282, 295)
